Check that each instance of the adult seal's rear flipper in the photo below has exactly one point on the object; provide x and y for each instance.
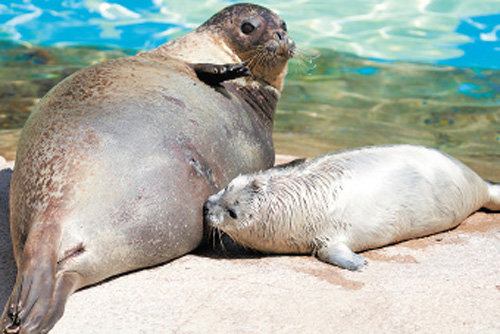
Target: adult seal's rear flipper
(214, 74)
(41, 290)
(38, 302)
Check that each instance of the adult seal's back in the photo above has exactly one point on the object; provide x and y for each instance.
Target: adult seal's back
(116, 161)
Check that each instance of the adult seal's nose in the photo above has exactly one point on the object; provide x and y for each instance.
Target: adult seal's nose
(285, 45)
(280, 35)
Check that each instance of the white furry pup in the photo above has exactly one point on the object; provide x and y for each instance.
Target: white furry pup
(349, 201)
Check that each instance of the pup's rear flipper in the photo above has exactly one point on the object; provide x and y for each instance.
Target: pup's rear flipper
(37, 302)
(494, 202)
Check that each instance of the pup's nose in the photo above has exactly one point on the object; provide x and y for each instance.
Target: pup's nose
(206, 207)
(209, 204)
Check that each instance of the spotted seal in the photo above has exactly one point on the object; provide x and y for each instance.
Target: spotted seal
(114, 164)
(350, 201)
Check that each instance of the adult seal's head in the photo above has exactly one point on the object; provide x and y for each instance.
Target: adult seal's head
(114, 164)
(259, 38)
(241, 33)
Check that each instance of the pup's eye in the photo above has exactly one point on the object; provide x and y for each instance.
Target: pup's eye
(232, 214)
(247, 28)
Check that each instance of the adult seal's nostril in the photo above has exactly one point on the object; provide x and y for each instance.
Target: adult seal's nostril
(279, 35)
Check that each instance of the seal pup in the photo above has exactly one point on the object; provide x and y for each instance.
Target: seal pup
(116, 161)
(350, 201)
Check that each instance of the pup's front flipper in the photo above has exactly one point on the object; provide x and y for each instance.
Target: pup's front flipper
(340, 255)
(214, 74)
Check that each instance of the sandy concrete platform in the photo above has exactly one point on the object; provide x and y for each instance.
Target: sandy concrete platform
(446, 283)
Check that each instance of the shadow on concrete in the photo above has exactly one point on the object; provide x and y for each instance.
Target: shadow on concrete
(221, 246)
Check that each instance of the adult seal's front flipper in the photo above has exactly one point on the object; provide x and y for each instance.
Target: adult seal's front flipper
(214, 74)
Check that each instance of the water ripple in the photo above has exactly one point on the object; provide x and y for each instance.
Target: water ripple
(417, 30)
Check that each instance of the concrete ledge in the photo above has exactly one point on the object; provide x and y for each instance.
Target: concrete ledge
(448, 283)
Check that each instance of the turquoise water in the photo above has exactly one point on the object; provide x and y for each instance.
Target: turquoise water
(369, 72)
(452, 32)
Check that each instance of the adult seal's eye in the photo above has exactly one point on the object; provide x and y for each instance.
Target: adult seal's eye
(283, 26)
(247, 28)
(232, 214)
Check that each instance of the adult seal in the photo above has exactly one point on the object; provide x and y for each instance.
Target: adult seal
(350, 201)
(116, 161)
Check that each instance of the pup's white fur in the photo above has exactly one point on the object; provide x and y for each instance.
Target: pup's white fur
(350, 201)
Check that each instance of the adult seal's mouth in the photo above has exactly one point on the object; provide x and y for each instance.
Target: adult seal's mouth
(279, 49)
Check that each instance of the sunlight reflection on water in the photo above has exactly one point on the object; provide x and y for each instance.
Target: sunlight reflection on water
(343, 100)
